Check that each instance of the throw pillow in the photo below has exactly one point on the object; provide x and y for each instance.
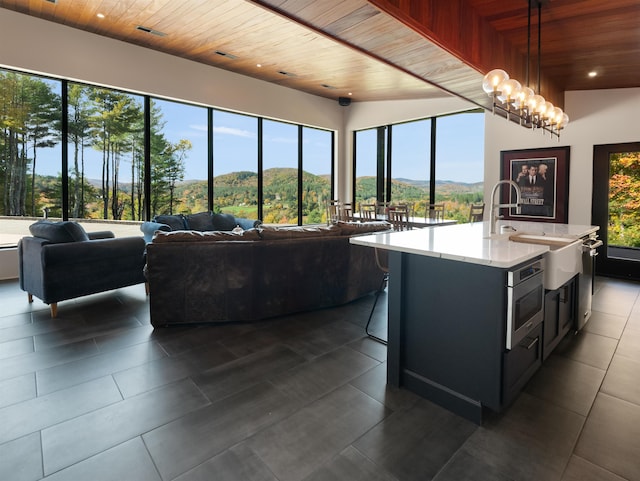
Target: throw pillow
(201, 221)
(176, 222)
(224, 222)
(59, 232)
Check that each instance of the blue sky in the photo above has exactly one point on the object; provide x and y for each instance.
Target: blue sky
(460, 146)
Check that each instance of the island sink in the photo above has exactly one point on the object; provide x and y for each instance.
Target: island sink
(563, 260)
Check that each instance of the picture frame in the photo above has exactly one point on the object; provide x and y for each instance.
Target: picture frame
(543, 177)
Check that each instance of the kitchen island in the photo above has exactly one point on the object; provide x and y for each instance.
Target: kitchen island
(447, 312)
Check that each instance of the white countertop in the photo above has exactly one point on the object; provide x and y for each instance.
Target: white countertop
(473, 242)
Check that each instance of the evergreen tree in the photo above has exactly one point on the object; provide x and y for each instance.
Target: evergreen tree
(116, 117)
(43, 123)
(80, 113)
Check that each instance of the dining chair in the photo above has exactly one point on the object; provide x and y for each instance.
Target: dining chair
(476, 212)
(381, 209)
(367, 212)
(333, 211)
(399, 217)
(435, 212)
(346, 212)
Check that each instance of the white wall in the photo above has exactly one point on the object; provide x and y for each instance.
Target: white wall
(596, 117)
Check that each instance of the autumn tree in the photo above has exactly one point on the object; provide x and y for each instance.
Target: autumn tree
(624, 199)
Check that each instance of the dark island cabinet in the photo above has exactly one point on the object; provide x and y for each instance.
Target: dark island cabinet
(560, 307)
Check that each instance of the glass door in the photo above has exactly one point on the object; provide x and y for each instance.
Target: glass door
(616, 209)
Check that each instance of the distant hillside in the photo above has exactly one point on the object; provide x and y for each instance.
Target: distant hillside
(237, 192)
(281, 185)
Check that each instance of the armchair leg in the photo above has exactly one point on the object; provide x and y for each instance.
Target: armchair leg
(146, 288)
(54, 310)
(30, 297)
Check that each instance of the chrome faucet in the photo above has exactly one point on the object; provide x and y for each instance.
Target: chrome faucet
(493, 218)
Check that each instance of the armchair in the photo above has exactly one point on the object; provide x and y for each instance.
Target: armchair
(62, 262)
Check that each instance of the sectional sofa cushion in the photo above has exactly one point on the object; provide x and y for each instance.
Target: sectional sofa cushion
(224, 222)
(176, 222)
(201, 221)
(59, 232)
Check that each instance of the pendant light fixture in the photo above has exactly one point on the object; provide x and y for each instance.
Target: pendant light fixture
(520, 103)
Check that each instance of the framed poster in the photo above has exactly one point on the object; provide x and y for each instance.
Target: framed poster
(543, 177)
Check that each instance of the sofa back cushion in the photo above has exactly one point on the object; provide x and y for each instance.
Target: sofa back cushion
(224, 222)
(201, 221)
(59, 232)
(176, 222)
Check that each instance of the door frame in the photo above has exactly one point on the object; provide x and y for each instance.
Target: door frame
(605, 265)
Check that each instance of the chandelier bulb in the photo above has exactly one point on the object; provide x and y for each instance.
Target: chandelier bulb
(548, 112)
(493, 79)
(507, 90)
(522, 97)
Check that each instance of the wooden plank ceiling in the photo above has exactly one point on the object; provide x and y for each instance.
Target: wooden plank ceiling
(377, 49)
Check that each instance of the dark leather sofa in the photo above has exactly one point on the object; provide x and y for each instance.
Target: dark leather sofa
(203, 277)
(62, 261)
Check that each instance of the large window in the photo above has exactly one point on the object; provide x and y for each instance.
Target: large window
(30, 151)
(317, 159)
(105, 153)
(280, 170)
(459, 163)
(235, 166)
(394, 163)
(369, 186)
(129, 157)
(410, 160)
(179, 158)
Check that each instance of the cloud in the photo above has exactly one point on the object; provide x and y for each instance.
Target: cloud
(235, 132)
(282, 140)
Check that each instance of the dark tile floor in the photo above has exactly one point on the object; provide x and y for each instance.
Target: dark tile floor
(97, 394)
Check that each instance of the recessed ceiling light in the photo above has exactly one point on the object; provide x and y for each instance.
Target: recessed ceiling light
(150, 30)
(592, 74)
(100, 15)
(258, 65)
(350, 93)
(225, 54)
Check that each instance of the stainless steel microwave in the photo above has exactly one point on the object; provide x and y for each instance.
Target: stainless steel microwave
(525, 301)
